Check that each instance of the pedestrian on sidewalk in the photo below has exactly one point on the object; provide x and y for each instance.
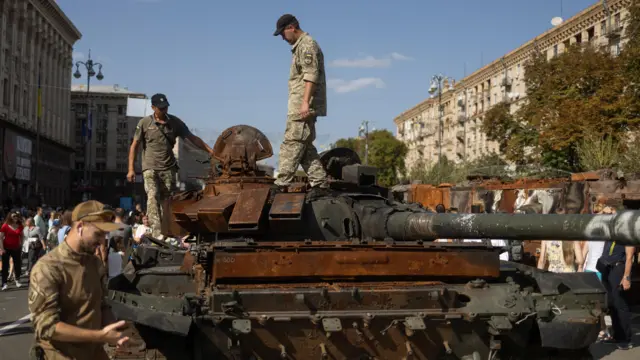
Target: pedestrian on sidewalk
(11, 248)
(34, 243)
(615, 266)
(67, 292)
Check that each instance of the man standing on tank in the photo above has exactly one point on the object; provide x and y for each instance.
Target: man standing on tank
(158, 133)
(307, 101)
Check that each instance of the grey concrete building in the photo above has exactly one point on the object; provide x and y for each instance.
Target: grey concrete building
(112, 133)
(36, 45)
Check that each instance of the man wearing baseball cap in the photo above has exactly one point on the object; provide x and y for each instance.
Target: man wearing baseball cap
(157, 133)
(307, 101)
(67, 289)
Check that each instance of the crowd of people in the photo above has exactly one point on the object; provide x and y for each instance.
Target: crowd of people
(611, 262)
(27, 234)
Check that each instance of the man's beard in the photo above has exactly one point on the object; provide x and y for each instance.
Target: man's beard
(88, 248)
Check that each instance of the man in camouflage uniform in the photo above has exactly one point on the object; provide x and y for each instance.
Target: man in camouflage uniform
(158, 133)
(67, 289)
(307, 101)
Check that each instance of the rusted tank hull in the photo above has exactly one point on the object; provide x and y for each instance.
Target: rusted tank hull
(395, 320)
(378, 320)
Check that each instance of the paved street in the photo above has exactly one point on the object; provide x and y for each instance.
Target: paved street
(16, 333)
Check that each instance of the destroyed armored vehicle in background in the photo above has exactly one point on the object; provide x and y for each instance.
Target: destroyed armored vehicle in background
(347, 273)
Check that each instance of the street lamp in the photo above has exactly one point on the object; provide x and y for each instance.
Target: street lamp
(436, 87)
(89, 65)
(364, 132)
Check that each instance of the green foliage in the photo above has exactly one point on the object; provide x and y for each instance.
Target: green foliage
(445, 171)
(597, 153)
(584, 93)
(385, 152)
(492, 166)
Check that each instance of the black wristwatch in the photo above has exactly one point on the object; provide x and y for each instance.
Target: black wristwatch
(628, 278)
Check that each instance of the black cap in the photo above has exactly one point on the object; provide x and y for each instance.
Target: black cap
(159, 101)
(284, 21)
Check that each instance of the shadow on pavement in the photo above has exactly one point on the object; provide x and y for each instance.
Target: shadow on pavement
(27, 329)
(610, 351)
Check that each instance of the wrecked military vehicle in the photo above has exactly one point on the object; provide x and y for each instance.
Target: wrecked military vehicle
(346, 273)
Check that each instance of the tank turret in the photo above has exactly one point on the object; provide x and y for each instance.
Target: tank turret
(349, 273)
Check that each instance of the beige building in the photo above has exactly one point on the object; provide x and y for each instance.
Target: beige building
(111, 135)
(466, 101)
(36, 45)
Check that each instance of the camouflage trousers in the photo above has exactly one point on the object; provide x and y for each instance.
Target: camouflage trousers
(297, 149)
(159, 186)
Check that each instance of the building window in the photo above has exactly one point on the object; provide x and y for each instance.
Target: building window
(615, 47)
(101, 152)
(603, 28)
(555, 50)
(591, 33)
(25, 104)
(101, 166)
(79, 165)
(16, 98)
(122, 110)
(5, 92)
(616, 21)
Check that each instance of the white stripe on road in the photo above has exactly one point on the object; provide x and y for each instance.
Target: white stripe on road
(15, 324)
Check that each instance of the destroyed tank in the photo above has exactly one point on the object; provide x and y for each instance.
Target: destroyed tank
(348, 273)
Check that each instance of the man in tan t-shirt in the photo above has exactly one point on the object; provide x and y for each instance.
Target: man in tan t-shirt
(158, 133)
(67, 289)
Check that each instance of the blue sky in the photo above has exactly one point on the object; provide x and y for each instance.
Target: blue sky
(219, 64)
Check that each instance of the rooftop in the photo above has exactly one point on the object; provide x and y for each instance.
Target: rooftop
(105, 89)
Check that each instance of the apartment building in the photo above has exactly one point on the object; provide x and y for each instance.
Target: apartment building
(36, 45)
(108, 152)
(464, 103)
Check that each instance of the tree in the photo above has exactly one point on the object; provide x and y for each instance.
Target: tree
(385, 152)
(630, 59)
(582, 92)
(513, 137)
(449, 172)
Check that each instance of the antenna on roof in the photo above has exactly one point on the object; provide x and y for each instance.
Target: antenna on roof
(558, 19)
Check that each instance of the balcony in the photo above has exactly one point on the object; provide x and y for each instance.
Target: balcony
(462, 119)
(460, 135)
(615, 31)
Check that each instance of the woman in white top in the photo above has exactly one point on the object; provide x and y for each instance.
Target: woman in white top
(34, 245)
(141, 230)
(592, 250)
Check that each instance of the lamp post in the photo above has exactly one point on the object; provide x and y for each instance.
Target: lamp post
(89, 66)
(436, 86)
(364, 131)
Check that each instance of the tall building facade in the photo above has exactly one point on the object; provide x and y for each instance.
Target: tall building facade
(465, 103)
(36, 45)
(108, 151)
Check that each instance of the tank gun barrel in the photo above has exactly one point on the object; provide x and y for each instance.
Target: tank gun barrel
(623, 227)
